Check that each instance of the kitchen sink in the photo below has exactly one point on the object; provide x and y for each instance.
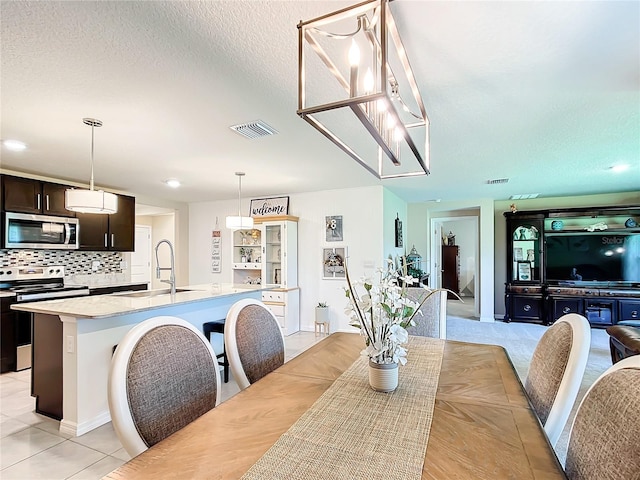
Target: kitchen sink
(152, 293)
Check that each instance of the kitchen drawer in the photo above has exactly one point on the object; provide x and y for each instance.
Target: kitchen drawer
(273, 296)
(277, 310)
(629, 310)
(246, 266)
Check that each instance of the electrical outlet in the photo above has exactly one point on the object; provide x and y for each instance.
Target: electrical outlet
(70, 344)
(95, 265)
(123, 265)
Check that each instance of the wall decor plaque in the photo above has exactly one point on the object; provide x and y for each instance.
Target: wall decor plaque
(269, 207)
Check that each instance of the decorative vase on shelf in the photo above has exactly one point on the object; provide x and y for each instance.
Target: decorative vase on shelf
(557, 225)
(383, 377)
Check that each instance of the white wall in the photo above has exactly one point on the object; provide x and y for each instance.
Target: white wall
(393, 206)
(362, 211)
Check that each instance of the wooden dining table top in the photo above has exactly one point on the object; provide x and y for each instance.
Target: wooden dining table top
(483, 425)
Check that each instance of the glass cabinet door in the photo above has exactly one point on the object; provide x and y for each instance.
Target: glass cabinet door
(526, 251)
(273, 254)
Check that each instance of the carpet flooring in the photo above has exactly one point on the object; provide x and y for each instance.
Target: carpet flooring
(520, 340)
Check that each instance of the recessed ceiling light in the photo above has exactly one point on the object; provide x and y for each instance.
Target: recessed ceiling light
(620, 168)
(15, 145)
(172, 182)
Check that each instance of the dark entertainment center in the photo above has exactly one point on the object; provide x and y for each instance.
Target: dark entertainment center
(574, 260)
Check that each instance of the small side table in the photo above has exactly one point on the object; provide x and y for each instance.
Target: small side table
(322, 327)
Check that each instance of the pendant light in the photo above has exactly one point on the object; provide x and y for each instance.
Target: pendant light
(239, 222)
(91, 201)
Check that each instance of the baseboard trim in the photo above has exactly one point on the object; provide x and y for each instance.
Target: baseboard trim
(72, 428)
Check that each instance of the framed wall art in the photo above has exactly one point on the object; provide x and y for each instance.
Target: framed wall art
(216, 251)
(333, 228)
(398, 231)
(524, 271)
(333, 261)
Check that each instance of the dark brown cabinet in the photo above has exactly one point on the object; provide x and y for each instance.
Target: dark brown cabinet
(7, 335)
(574, 260)
(114, 232)
(524, 292)
(46, 374)
(451, 269)
(26, 195)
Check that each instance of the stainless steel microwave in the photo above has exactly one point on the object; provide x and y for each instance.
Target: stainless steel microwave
(23, 230)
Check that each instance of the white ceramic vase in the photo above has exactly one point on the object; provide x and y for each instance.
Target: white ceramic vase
(383, 377)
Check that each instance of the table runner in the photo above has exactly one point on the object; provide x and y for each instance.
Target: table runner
(353, 432)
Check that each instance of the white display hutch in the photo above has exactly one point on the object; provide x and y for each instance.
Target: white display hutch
(268, 255)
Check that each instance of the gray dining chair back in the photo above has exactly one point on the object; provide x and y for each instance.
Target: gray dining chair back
(603, 443)
(254, 341)
(556, 372)
(163, 375)
(431, 321)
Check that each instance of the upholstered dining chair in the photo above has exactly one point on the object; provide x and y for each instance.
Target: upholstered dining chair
(163, 375)
(433, 321)
(254, 341)
(556, 372)
(603, 442)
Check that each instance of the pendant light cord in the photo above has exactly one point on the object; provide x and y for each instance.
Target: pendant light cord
(239, 195)
(91, 181)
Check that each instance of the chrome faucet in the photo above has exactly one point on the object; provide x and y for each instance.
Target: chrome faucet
(172, 277)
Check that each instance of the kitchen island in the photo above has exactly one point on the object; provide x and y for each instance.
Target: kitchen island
(74, 340)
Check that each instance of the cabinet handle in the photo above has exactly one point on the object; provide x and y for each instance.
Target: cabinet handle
(47, 198)
(525, 290)
(526, 308)
(566, 310)
(105, 241)
(38, 201)
(113, 235)
(634, 314)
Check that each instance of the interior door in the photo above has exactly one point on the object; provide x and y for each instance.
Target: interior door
(435, 278)
(141, 256)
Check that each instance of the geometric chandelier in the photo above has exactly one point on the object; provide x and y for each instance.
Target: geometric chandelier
(355, 86)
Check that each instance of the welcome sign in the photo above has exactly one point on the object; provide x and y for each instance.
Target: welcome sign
(268, 207)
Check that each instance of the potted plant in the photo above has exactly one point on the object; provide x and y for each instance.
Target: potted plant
(382, 311)
(322, 314)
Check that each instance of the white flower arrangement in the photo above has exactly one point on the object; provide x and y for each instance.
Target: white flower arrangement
(382, 312)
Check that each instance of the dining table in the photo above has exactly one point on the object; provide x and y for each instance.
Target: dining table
(482, 425)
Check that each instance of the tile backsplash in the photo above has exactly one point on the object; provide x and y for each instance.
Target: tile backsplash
(75, 262)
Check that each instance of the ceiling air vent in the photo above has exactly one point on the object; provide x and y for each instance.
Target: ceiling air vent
(524, 196)
(255, 129)
(497, 181)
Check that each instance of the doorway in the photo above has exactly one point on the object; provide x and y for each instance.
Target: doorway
(467, 235)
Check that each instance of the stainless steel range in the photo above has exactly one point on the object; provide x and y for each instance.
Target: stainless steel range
(27, 284)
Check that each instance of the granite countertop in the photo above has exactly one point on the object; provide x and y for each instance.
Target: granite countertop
(101, 306)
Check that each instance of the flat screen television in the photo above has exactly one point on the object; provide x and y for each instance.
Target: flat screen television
(593, 257)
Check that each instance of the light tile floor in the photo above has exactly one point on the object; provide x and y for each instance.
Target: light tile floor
(31, 446)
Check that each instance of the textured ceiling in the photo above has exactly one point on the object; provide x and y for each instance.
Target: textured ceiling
(546, 94)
